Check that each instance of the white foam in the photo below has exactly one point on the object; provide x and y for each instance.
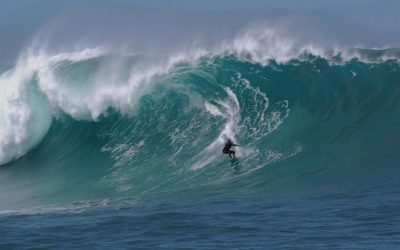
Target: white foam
(25, 116)
(25, 113)
(230, 110)
(259, 43)
(213, 110)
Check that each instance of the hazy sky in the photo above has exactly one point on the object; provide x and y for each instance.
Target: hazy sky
(365, 23)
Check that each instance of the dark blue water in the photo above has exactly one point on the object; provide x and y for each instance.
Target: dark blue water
(340, 221)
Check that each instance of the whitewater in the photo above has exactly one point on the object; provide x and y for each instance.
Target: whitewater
(118, 143)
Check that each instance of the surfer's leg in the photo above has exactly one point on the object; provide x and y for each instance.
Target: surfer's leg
(231, 152)
(227, 152)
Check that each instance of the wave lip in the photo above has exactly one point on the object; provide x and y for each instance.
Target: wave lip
(26, 109)
(25, 115)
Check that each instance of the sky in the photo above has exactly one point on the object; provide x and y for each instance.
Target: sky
(155, 23)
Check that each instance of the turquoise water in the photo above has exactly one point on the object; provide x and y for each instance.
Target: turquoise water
(116, 160)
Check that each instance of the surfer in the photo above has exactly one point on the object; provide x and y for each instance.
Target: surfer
(227, 148)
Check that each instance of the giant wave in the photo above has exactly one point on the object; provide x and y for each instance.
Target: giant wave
(95, 123)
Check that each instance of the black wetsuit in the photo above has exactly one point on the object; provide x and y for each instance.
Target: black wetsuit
(227, 149)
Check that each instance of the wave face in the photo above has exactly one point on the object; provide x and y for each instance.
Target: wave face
(94, 125)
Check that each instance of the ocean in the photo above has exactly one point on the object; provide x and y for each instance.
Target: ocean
(110, 148)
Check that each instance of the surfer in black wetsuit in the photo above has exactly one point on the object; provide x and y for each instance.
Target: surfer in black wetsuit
(227, 148)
